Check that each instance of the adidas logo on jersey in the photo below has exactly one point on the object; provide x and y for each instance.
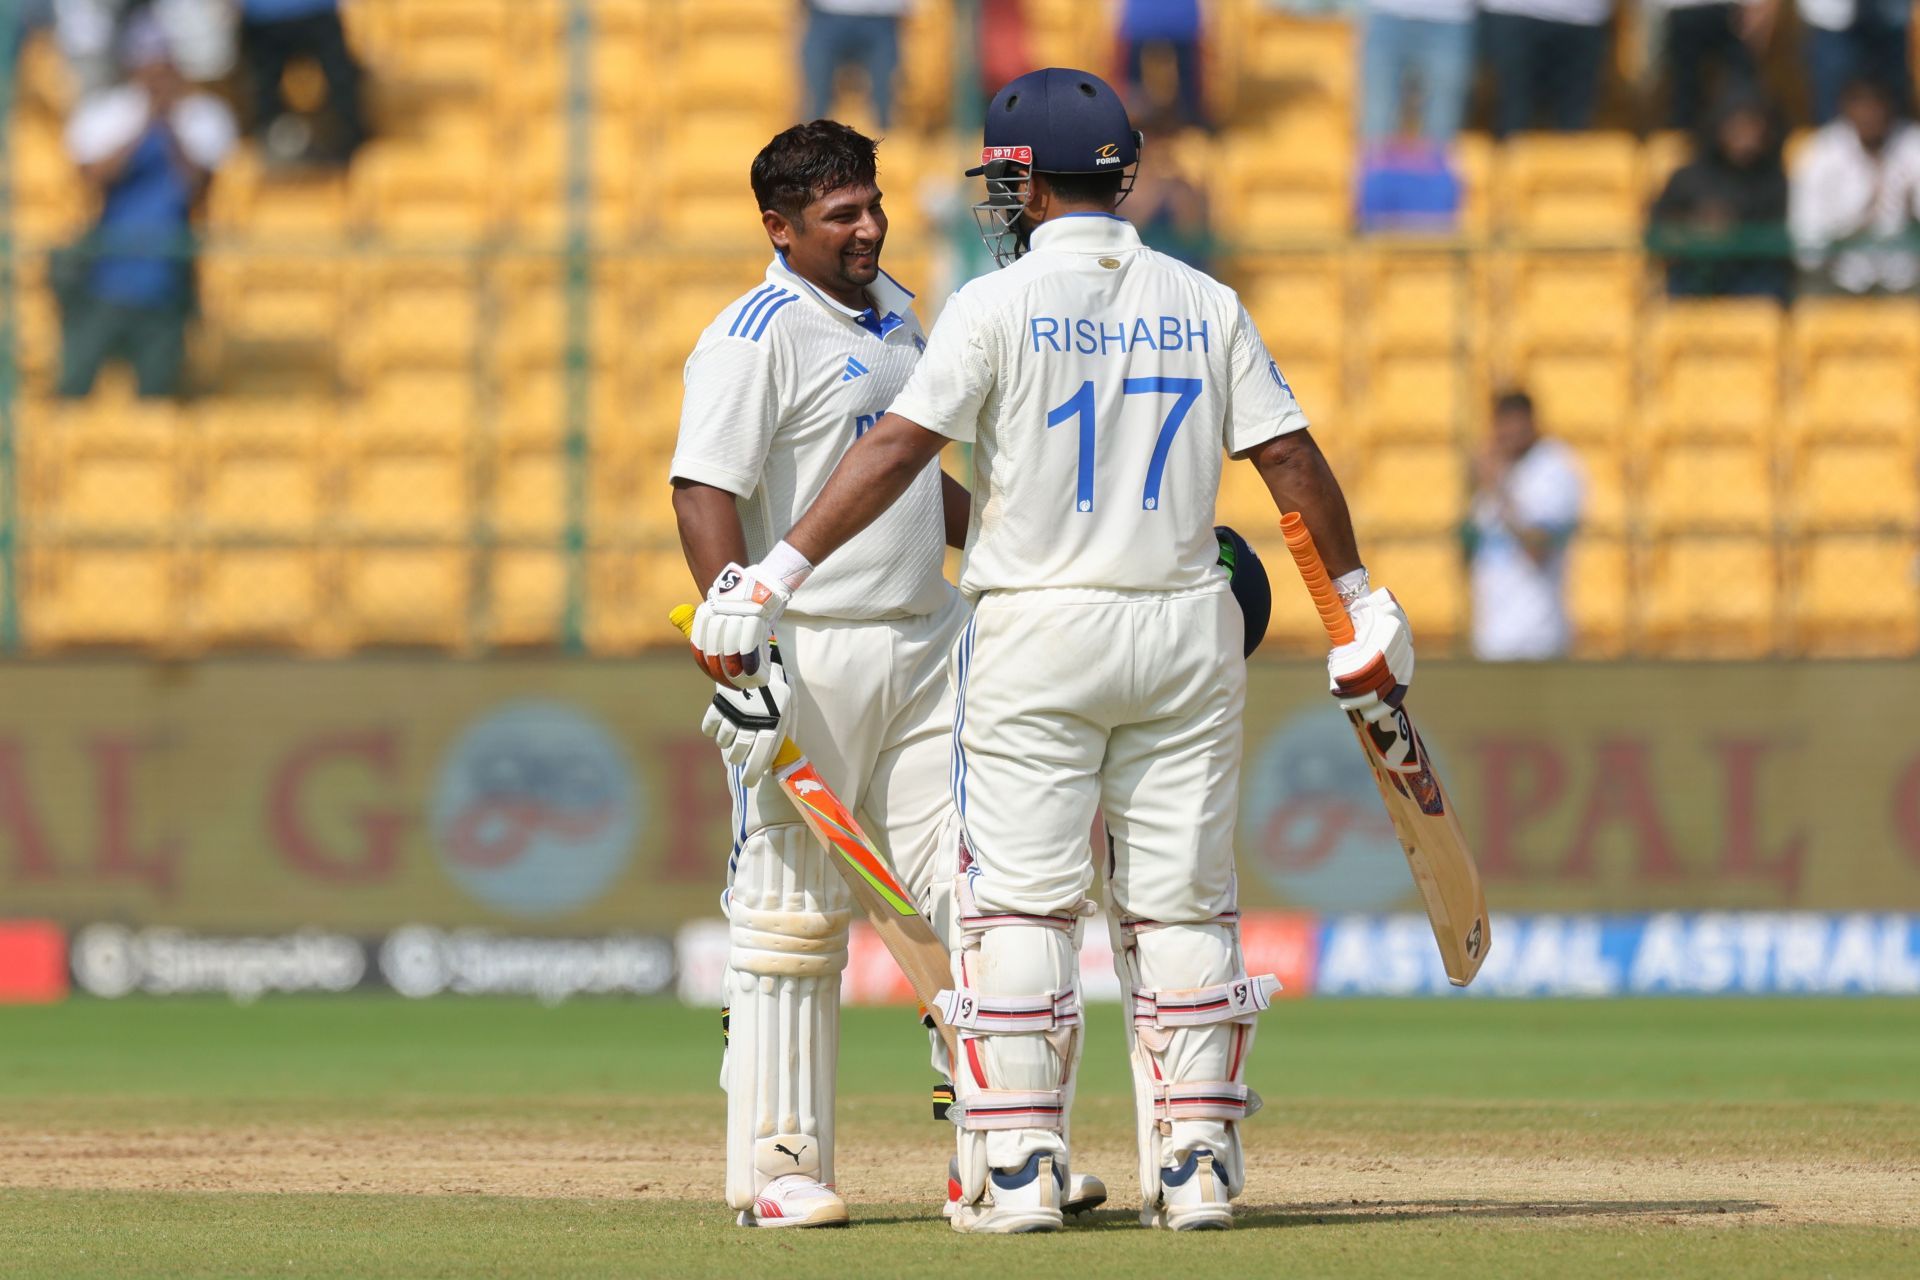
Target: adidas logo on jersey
(853, 370)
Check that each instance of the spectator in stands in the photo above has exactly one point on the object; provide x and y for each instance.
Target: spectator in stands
(199, 34)
(1527, 501)
(1546, 57)
(276, 32)
(1167, 206)
(150, 146)
(1173, 25)
(1846, 40)
(1707, 40)
(862, 33)
(1857, 181)
(1427, 42)
(1722, 219)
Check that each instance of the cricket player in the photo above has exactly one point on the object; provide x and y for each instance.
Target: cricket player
(777, 389)
(1100, 383)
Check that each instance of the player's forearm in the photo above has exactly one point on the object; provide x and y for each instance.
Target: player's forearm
(956, 507)
(870, 478)
(710, 532)
(1297, 475)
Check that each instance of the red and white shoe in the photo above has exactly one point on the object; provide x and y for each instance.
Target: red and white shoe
(795, 1200)
(1085, 1193)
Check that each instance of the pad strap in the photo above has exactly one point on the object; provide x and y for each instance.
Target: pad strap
(973, 918)
(1009, 1109)
(1239, 997)
(973, 1011)
(1205, 1100)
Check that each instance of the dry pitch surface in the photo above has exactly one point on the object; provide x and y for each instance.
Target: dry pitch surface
(367, 1137)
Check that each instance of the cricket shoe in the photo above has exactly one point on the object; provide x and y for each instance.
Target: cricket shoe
(1084, 1193)
(1193, 1196)
(795, 1200)
(1017, 1200)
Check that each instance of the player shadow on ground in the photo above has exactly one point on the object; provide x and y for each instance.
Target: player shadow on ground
(1351, 1213)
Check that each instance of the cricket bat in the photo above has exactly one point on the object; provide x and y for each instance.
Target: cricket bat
(909, 939)
(1423, 817)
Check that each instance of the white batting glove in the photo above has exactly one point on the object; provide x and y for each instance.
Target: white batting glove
(732, 628)
(1371, 673)
(748, 725)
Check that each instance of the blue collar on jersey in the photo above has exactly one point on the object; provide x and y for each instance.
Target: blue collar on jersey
(886, 291)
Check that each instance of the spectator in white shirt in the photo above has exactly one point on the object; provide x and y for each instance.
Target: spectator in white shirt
(1427, 42)
(1858, 179)
(1546, 57)
(1843, 40)
(1527, 503)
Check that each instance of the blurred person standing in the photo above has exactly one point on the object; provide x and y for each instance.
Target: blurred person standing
(1845, 40)
(200, 35)
(1527, 501)
(1173, 25)
(1546, 57)
(1709, 45)
(1427, 42)
(1723, 210)
(149, 147)
(862, 33)
(276, 32)
(1858, 179)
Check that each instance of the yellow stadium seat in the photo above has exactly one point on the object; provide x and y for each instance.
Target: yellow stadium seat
(263, 470)
(1410, 489)
(272, 297)
(393, 492)
(1428, 577)
(416, 407)
(1858, 366)
(1572, 301)
(1292, 55)
(1272, 191)
(406, 596)
(98, 596)
(44, 174)
(529, 498)
(424, 191)
(527, 598)
(450, 42)
(1710, 487)
(1415, 396)
(1711, 597)
(105, 470)
(1856, 597)
(1599, 595)
(1715, 370)
(1298, 302)
(1244, 501)
(412, 313)
(629, 594)
(1416, 301)
(629, 498)
(1583, 396)
(1855, 485)
(1603, 469)
(248, 596)
(1570, 188)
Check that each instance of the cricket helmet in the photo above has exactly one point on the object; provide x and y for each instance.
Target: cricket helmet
(1054, 120)
(1248, 578)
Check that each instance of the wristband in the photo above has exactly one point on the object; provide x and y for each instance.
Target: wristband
(1351, 586)
(786, 566)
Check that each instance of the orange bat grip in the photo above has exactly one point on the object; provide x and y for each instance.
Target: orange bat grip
(1333, 614)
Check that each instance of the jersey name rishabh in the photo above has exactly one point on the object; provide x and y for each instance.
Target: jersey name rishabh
(1098, 337)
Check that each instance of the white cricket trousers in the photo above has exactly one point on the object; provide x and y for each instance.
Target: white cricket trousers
(1068, 701)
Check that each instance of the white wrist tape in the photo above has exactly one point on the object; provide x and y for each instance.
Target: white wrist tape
(1351, 586)
(787, 565)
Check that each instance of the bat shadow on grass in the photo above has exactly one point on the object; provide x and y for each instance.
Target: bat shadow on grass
(1337, 1213)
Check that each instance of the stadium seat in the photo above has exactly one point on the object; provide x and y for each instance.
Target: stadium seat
(274, 297)
(448, 43)
(256, 596)
(1585, 396)
(1244, 501)
(1415, 396)
(390, 491)
(1853, 485)
(1857, 365)
(406, 596)
(629, 594)
(1603, 468)
(1857, 596)
(1428, 577)
(529, 496)
(1418, 301)
(1599, 595)
(263, 469)
(1587, 302)
(416, 408)
(426, 192)
(1714, 370)
(1710, 488)
(105, 469)
(1571, 188)
(1410, 489)
(1712, 597)
(1273, 189)
(527, 597)
(121, 596)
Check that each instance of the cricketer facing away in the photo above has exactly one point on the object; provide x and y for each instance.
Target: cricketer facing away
(1099, 382)
(778, 387)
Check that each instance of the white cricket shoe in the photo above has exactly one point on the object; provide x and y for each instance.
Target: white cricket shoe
(1084, 1193)
(1193, 1196)
(795, 1200)
(1017, 1200)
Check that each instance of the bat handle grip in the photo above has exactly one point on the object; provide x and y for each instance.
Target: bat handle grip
(1326, 600)
(682, 618)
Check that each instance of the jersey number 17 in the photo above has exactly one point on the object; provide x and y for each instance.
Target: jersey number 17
(1081, 405)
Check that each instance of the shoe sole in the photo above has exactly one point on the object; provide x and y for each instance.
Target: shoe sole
(1074, 1208)
(822, 1219)
(1024, 1224)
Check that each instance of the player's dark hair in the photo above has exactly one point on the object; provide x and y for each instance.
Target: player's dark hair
(805, 162)
(1101, 189)
(1513, 401)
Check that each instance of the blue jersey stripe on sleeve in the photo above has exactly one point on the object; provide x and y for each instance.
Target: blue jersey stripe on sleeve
(752, 304)
(769, 313)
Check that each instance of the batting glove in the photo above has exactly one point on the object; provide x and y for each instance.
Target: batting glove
(748, 725)
(732, 628)
(1371, 673)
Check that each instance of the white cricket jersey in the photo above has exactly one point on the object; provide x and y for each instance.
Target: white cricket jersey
(777, 389)
(1100, 381)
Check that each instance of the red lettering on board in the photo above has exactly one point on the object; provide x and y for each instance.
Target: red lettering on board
(1623, 795)
(115, 857)
(700, 827)
(20, 822)
(1521, 779)
(1906, 809)
(1740, 852)
(379, 853)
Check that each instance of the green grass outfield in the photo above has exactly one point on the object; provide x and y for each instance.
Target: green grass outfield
(368, 1137)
